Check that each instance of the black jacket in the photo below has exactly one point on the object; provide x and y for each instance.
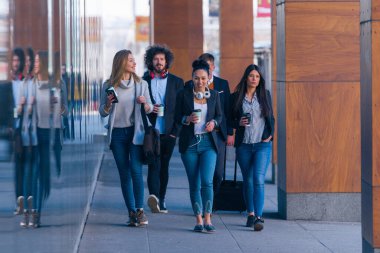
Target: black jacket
(235, 119)
(174, 84)
(222, 87)
(185, 106)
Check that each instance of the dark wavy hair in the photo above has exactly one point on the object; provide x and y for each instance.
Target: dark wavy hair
(158, 49)
(241, 90)
(200, 64)
(21, 56)
(30, 53)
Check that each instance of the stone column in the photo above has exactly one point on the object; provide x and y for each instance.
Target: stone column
(274, 89)
(318, 101)
(370, 123)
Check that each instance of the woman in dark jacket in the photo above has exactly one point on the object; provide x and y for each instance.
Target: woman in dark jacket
(197, 141)
(252, 117)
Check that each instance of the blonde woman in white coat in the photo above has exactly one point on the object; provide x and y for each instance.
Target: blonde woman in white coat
(126, 129)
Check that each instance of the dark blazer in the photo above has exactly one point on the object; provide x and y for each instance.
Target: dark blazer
(185, 106)
(235, 119)
(7, 104)
(174, 84)
(221, 85)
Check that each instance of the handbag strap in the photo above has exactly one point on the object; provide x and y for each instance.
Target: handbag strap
(143, 116)
(235, 169)
(143, 113)
(224, 164)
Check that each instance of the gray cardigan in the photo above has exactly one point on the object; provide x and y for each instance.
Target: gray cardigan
(141, 90)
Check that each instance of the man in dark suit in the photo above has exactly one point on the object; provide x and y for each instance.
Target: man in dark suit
(163, 88)
(224, 133)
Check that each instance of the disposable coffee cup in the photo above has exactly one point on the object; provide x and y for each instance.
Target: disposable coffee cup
(160, 111)
(248, 117)
(198, 113)
(53, 94)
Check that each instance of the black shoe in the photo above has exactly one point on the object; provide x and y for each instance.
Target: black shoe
(258, 224)
(163, 208)
(209, 228)
(132, 222)
(250, 221)
(141, 218)
(198, 228)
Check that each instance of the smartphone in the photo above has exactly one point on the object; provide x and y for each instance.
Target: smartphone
(111, 90)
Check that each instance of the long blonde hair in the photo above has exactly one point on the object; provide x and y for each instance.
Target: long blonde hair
(120, 60)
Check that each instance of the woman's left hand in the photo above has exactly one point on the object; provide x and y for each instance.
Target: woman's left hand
(210, 126)
(141, 100)
(268, 139)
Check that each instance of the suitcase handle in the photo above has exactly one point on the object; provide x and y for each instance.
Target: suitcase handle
(235, 169)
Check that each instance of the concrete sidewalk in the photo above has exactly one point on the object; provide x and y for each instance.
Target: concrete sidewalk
(106, 231)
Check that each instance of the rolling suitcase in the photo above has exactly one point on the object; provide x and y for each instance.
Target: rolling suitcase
(230, 196)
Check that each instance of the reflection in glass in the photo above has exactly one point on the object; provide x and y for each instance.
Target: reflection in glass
(49, 125)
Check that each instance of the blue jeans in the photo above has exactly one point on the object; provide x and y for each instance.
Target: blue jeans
(199, 161)
(30, 171)
(128, 159)
(41, 173)
(253, 160)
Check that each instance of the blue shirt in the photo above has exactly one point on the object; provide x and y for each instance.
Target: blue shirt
(158, 86)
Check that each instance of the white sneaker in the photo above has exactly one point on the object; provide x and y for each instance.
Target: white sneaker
(153, 204)
(20, 206)
(25, 221)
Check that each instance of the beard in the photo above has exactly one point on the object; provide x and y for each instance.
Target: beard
(159, 68)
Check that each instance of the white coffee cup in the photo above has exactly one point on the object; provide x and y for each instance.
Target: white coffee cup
(160, 111)
(198, 113)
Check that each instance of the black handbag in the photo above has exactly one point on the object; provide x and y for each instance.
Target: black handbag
(230, 195)
(151, 144)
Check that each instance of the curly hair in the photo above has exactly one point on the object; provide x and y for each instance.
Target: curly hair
(158, 49)
(21, 56)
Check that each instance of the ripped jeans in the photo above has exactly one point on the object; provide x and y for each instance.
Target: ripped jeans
(199, 161)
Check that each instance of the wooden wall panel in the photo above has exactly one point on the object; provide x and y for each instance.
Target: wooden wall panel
(179, 24)
(323, 137)
(236, 66)
(236, 38)
(376, 102)
(30, 24)
(235, 45)
(322, 35)
(375, 9)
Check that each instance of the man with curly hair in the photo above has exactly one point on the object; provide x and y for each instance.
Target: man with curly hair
(163, 88)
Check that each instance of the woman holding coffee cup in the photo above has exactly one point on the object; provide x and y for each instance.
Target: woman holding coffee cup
(252, 117)
(126, 129)
(199, 112)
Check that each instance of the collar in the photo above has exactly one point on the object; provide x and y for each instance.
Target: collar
(211, 80)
